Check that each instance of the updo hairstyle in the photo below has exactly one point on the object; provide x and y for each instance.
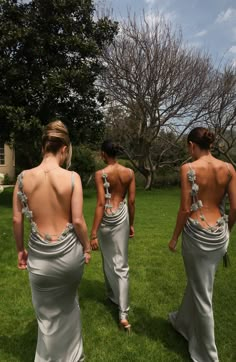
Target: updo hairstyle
(55, 135)
(202, 137)
(110, 148)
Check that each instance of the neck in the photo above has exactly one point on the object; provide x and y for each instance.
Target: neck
(204, 154)
(111, 161)
(50, 160)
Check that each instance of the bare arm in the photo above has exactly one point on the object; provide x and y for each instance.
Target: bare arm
(98, 215)
(184, 209)
(232, 198)
(18, 230)
(78, 217)
(131, 204)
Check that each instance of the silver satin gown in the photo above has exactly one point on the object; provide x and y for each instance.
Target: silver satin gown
(55, 270)
(202, 250)
(113, 240)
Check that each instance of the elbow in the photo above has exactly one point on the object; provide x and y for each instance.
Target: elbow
(131, 202)
(101, 204)
(17, 220)
(185, 212)
(78, 222)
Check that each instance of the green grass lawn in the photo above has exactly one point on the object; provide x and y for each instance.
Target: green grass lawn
(157, 282)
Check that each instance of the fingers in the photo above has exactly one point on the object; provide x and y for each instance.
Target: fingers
(172, 247)
(131, 232)
(87, 260)
(94, 244)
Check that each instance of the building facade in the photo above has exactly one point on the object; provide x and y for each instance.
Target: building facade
(7, 161)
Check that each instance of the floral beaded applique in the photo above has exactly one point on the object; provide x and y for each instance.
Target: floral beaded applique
(24, 200)
(106, 185)
(197, 204)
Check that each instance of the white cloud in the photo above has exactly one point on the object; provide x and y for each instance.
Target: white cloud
(233, 49)
(200, 34)
(226, 15)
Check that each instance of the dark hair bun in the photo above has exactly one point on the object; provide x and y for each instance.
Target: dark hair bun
(110, 148)
(208, 138)
(202, 137)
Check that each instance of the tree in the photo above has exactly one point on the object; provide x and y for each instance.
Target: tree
(220, 112)
(49, 64)
(153, 83)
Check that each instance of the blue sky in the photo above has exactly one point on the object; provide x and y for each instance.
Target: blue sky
(207, 24)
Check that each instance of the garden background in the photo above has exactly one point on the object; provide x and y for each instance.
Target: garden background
(157, 282)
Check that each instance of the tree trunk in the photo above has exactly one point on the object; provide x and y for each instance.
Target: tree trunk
(149, 180)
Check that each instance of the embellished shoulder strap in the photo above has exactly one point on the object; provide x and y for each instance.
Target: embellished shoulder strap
(23, 198)
(191, 174)
(106, 185)
(20, 181)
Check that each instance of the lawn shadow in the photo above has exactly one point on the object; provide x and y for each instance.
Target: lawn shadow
(95, 290)
(155, 328)
(21, 346)
(159, 329)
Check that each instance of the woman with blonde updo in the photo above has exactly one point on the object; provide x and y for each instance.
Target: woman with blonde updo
(51, 198)
(205, 235)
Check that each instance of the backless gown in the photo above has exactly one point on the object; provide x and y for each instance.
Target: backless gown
(202, 250)
(113, 240)
(55, 270)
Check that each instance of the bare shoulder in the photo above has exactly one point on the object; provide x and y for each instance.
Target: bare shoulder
(185, 168)
(74, 174)
(98, 176)
(99, 173)
(231, 169)
(125, 169)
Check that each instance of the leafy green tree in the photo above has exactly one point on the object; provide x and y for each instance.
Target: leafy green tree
(49, 64)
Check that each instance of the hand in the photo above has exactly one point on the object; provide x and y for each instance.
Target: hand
(87, 257)
(94, 244)
(22, 259)
(172, 245)
(131, 231)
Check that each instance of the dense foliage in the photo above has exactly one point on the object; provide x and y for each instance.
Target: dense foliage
(49, 63)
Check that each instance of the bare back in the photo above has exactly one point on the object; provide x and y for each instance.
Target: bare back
(49, 198)
(213, 178)
(119, 178)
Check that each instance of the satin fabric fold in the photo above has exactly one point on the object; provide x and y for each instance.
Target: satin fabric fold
(113, 240)
(55, 270)
(202, 250)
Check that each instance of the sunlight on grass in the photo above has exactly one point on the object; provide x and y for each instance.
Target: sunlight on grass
(157, 282)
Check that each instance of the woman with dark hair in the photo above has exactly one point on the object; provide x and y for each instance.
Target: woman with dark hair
(205, 236)
(113, 225)
(51, 198)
